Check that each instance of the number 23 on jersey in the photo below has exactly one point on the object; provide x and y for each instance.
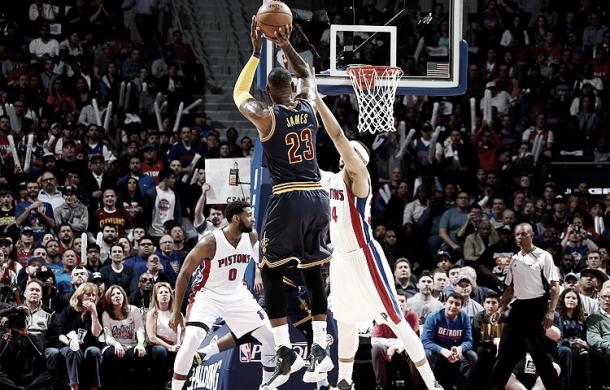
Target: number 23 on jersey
(294, 140)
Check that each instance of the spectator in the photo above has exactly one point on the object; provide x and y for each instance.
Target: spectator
(403, 278)
(161, 204)
(441, 281)
(156, 269)
(452, 221)
(423, 303)
(34, 213)
(597, 329)
(126, 349)
(79, 328)
(117, 273)
(493, 263)
(463, 286)
(138, 263)
(95, 181)
(63, 277)
(572, 348)
(43, 47)
(142, 292)
(386, 346)
(476, 243)
(185, 150)
(447, 339)
(145, 182)
(110, 213)
(163, 341)
(43, 323)
(72, 212)
(486, 334)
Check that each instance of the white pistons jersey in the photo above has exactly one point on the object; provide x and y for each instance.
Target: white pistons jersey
(224, 273)
(350, 217)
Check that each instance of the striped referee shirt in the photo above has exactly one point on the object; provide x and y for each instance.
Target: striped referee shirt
(524, 273)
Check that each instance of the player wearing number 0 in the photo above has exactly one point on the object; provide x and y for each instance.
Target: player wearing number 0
(296, 221)
(361, 282)
(219, 261)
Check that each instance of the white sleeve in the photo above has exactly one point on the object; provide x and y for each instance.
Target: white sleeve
(548, 268)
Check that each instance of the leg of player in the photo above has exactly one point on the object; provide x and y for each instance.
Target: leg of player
(307, 332)
(348, 345)
(286, 360)
(415, 350)
(216, 346)
(265, 336)
(319, 361)
(193, 335)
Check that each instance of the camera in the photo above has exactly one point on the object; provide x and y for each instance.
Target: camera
(16, 317)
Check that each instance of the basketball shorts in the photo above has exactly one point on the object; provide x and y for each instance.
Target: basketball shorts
(239, 310)
(362, 286)
(295, 229)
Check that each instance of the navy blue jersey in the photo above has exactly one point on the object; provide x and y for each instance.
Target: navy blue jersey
(290, 145)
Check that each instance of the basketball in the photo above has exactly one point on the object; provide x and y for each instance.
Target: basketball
(273, 15)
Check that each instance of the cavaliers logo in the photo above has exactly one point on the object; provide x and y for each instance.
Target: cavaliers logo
(264, 243)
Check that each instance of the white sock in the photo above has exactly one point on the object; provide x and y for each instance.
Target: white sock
(281, 336)
(177, 384)
(267, 375)
(322, 382)
(345, 371)
(319, 333)
(209, 350)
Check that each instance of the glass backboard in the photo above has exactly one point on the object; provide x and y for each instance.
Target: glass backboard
(423, 37)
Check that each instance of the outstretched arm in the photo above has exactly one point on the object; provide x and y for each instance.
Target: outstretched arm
(256, 112)
(356, 173)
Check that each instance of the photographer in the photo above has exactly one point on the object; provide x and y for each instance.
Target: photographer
(22, 364)
(50, 294)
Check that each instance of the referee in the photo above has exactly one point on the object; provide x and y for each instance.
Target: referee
(532, 280)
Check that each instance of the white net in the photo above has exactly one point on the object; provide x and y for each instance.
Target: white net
(375, 88)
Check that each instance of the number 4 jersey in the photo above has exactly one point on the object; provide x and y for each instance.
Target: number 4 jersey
(224, 274)
(350, 216)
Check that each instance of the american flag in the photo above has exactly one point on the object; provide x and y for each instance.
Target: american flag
(438, 69)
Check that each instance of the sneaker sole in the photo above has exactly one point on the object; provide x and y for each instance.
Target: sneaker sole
(281, 379)
(322, 368)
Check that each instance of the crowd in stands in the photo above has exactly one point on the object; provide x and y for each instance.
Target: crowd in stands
(444, 215)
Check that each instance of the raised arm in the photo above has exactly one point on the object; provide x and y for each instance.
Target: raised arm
(300, 68)
(255, 111)
(357, 174)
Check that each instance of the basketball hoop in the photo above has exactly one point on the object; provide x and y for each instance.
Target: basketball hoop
(375, 88)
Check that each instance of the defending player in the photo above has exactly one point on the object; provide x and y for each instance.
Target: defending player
(296, 221)
(361, 281)
(220, 260)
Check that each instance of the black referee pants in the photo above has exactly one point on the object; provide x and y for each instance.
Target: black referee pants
(523, 333)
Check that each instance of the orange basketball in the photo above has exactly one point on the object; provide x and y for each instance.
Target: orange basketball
(273, 15)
